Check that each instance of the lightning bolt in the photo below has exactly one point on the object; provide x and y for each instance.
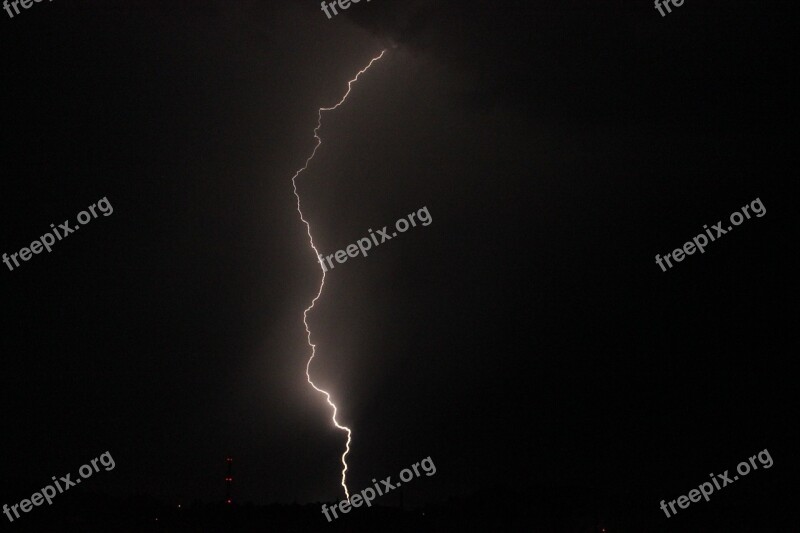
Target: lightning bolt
(322, 281)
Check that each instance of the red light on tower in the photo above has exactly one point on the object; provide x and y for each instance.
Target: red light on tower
(228, 480)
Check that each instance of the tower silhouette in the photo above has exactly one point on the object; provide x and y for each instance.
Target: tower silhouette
(228, 480)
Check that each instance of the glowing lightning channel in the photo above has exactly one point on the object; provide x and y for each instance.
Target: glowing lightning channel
(322, 282)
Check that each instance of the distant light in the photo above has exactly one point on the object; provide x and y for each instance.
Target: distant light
(229, 501)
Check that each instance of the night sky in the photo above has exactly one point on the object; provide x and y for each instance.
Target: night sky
(525, 340)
